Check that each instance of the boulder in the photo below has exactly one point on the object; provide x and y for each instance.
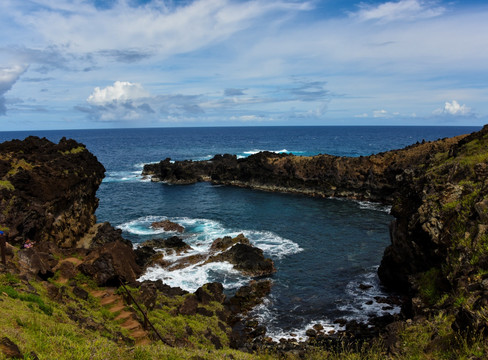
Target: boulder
(247, 259)
(111, 262)
(210, 292)
(226, 242)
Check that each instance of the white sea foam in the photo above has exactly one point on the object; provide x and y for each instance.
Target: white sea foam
(192, 277)
(255, 151)
(358, 306)
(266, 315)
(368, 205)
(200, 234)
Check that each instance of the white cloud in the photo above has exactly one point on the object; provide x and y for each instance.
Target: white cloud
(454, 109)
(400, 10)
(380, 113)
(121, 91)
(8, 77)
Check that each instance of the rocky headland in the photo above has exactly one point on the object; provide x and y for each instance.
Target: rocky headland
(64, 269)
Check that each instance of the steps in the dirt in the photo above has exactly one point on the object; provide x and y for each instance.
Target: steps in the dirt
(115, 304)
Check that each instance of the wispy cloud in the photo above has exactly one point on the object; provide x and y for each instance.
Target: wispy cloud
(8, 77)
(399, 10)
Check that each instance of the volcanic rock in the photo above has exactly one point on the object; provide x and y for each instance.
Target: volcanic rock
(226, 242)
(247, 259)
(111, 262)
(49, 191)
(167, 225)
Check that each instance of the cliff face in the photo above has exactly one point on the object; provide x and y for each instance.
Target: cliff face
(439, 245)
(376, 177)
(47, 191)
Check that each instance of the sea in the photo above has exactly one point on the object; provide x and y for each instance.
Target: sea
(323, 249)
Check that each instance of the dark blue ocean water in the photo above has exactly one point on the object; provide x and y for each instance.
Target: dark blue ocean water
(323, 248)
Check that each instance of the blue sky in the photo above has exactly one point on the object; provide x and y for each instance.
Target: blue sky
(72, 64)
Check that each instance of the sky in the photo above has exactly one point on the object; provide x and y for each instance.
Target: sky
(82, 64)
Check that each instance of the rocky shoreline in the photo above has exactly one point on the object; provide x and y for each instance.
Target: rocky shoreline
(438, 257)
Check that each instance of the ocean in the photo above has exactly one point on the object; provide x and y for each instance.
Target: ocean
(323, 249)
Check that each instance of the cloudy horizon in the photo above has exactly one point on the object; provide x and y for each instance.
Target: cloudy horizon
(74, 64)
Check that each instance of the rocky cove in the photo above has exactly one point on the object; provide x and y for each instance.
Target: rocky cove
(437, 257)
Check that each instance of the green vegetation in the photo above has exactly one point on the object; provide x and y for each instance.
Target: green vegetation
(5, 184)
(75, 150)
(428, 288)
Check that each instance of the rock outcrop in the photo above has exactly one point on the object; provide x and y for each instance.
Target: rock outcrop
(47, 190)
(376, 177)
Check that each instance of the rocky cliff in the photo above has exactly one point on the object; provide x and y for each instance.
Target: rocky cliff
(47, 190)
(376, 177)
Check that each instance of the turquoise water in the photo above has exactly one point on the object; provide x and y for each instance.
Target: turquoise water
(323, 248)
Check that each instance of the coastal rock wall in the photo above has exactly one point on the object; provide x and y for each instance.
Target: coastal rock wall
(47, 191)
(376, 177)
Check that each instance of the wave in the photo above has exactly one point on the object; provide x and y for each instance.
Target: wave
(364, 303)
(255, 151)
(200, 234)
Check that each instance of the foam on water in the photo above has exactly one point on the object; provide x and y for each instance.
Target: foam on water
(368, 205)
(200, 234)
(126, 176)
(266, 314)
(357, 306)
(255, 151)
(194, 276)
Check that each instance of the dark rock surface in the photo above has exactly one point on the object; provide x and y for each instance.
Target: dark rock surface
(48, 190)
(167, 225)
(247, 259)
(111, 262)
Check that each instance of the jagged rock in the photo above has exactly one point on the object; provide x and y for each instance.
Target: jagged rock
(175, 243)
(210, 292)
(40, 259)
(167, 225)
(105, 234)
(144, 255)
(248, 296)
(111, 262)
(247, 259)
(226, 242)
(189, 306)
(10, 349)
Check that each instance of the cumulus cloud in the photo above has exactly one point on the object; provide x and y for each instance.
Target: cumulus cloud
(380, 113)
(121, 91)
(8, 77)
(127, 101)
(453, 109)
(399, 10)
